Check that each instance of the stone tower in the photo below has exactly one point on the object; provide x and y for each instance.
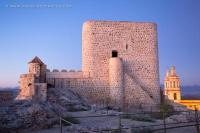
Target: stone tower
(33, 85)
(172, 85)
(116, 80)
(37, 67)
(119, 66)
(123, 55)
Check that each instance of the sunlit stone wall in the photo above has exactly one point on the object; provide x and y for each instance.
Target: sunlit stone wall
(137, 81)
(136, 44)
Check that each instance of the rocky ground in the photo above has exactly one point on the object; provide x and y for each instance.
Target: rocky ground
(23, 115)
(97, 124)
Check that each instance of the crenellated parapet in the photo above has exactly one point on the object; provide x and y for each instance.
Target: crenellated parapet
(64, 74)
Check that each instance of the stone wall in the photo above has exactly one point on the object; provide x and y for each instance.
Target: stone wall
(116, 76)
(40, 92)
(26, 86)
(30, 89)
(64, 75)
(39, 70)
(91, 89)
(119, 62)
(136, 44)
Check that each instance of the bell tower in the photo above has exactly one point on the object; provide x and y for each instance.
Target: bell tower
(172, 85)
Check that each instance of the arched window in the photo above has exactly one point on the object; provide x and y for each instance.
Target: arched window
(174, 84)
(175, 96)
(114, 53)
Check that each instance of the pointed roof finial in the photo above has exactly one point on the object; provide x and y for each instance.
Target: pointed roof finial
(36, 60)
(167, 73)
(173, 70)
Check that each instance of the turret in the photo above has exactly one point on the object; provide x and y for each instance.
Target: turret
(37, 67)
(167, 73)
(116, 80)
(173, 71)
(33, 85)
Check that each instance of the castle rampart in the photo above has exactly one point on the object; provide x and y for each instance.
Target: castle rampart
(64, 74)
(119, 62)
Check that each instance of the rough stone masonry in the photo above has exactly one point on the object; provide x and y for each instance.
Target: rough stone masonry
(119, 64)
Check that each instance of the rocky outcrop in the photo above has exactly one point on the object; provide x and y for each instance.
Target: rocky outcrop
(28, 115)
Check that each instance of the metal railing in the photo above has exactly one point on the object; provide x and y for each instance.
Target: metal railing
(164, 126)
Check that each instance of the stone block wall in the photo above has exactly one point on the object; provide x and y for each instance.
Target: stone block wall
(26, 86)
(116, 80)
(73, 74)
(133, 80)
(93, 90)
(30, 89)
(40, 92)
(136, 45)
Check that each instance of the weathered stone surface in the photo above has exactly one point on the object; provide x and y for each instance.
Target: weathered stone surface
(29, 115)
(137, 81)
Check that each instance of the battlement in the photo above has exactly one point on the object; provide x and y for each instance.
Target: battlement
(65, 74)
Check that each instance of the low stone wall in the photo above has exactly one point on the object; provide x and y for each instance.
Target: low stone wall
(93, 90)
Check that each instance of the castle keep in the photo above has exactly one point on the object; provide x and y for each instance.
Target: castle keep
(119, 63)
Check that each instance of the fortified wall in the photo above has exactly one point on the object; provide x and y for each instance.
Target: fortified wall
(119, 63)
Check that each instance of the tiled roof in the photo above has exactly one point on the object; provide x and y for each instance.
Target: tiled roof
(36, 60)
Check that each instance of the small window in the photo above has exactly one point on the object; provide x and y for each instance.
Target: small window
(114, 53)
(175, 96)
(126, 46)
(174, 84)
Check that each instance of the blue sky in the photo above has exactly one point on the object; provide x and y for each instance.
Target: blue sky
(54, 34)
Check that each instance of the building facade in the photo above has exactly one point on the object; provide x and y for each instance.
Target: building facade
(172, 90)
(172, 85)
(119, 63)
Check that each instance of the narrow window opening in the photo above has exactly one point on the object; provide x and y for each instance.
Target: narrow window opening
(175, 96)
(114, 53)
(126, 46)
(174, 84)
